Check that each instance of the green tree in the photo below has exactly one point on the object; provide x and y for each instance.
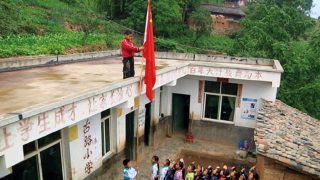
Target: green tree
(165, 14)
(272, 29)
(202, 23)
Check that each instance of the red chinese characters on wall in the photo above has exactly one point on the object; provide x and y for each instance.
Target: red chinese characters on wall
(87, 143)
(92, 102)
(226, 73)
(72, 112)
(5, 143)
(129, 91)
(89, 166)
(238, 74)
(103, 102)
(116, 96)
(210, 72)
(25, 126)
(59, 117)
(258, 75)
(43, 123)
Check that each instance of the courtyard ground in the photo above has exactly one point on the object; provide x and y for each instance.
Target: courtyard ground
(202, 152)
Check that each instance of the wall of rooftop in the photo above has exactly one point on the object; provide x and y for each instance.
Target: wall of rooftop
(16, 63)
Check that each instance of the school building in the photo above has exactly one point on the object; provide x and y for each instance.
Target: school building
(66, 121)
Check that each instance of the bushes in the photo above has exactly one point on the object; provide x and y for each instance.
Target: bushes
(50, 43)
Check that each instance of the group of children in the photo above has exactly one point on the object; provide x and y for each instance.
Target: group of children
(172, 170)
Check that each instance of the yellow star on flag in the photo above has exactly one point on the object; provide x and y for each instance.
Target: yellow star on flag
(151, 20)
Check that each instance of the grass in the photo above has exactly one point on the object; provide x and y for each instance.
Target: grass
(33, 27)
(50, 43)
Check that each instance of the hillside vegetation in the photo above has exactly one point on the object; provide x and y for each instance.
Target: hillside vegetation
(275, 29)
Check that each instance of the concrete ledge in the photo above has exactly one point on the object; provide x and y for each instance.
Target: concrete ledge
(221, 133)
(238, 60)
(17, 63)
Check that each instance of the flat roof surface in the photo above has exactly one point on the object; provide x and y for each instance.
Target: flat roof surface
(25, 88)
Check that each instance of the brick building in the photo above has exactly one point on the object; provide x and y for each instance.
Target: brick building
(226, 19)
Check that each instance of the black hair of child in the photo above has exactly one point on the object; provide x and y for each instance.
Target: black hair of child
(226, 172)
(127, 32)
(157, 160)
(180, 164)
(125, 162)
(255, 175)
(237, 175)
(193, 167)
(168, 162)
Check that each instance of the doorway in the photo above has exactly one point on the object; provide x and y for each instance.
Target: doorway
(130, 136)
(147, 127)
(180, 112)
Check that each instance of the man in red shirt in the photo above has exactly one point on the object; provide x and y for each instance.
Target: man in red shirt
(128, 50)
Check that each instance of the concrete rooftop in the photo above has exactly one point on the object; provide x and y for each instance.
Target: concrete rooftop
(24, 88)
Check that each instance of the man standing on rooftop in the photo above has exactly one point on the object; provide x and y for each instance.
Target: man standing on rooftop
(128, 49)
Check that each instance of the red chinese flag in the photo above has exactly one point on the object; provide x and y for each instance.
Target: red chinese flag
(148, 54)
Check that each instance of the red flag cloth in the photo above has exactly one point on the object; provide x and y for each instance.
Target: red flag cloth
(148, 54)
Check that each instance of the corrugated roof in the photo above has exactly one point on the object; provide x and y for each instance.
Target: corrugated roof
(285, 134)
(224, 10)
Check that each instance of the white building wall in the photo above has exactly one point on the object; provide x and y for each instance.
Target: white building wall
(125, 108)
(82, 152)
(190, 86)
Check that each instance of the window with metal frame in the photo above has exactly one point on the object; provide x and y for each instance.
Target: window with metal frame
(105, 132)
(43, 159)
(219, 101)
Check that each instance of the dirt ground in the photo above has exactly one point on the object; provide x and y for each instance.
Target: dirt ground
(205, 159)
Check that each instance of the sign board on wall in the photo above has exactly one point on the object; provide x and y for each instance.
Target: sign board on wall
(142, 117)
(249, 109)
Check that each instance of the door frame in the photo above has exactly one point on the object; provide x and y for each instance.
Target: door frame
(148, 124)
(132, 154)
(172, 110)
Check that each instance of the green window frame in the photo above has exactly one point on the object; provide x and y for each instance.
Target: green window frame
(105, 132)
(219, 101)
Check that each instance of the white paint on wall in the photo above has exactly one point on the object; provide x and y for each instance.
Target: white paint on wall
(82, 152)
(189, 86)
(121, 121)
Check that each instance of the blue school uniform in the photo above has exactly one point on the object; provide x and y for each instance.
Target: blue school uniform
(129, 173)
(163, 172)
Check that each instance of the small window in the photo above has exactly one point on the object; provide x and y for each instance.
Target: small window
(105, 114)
(30, 147)
(220, 100)
(212, 106)
(229, 88)
(213, 87)
(49, 139)
(105, 132)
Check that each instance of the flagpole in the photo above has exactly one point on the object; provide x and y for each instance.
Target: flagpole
(138, 113)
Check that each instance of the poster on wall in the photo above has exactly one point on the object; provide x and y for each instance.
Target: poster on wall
(249, 109)
(142, 117)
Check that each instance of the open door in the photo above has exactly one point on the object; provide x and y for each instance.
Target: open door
(130, 136)
(180, 112)
(147, 127)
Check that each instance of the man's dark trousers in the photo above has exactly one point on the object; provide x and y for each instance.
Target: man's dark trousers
(128, 67)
